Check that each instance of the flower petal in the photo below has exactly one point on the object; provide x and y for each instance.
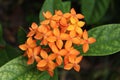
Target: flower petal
(76, 40)
(85, 47)
(81, 23)
(68, 66)
(53, 47)
(56, 32)
(42, 29)
(68, 44)
(37, 58)
(79, 30)
(72, 33)
(56, 17)
(23, 47)
(30, 61)
(59, 44)
(38, 36)
(66, 60)
(72, 59)
(34, 25)
(51, 65)
(79, 16)
(64, 36)
(66, 15)
(77, 67)
(44, 54)
(59, 60)
(63, 21)
(73, 20)
(85, 35)
(37, 50)
(42, 63)
(52, 56)
(31, 42)
(53, 24)
(81, 41)
(51, 39)
(63, 29)
(63, 52)
(58, 12)
(30, 52)
(47, 14)
(31, 33)
(74, 51)
(48, 33)
(71, 27)
(73, 11)
(45, 22)
(78, 59)
(91, 40)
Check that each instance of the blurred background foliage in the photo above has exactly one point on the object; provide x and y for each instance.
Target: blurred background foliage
(17, 15)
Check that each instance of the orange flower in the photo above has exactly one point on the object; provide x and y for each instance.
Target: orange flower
(57, 53)
(73, 38)
(71, 52)
(42, 29)
(33, 55)
(63, 17)
(49, 20)
(45, 35)
(73, 62)
(59, 37)
(47, 62)
(33, 30)
(30, 43)
(87, 41)
(77, 16)
(31, 50)
(76, 25)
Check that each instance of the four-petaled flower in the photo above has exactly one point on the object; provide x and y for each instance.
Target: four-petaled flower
(87, 41)
(47, 62)
(73, 62)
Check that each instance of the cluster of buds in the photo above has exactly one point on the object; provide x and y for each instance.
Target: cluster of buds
(51, 44)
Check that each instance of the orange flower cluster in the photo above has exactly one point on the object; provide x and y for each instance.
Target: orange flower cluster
(51, 43)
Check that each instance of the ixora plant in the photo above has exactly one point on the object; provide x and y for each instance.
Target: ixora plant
(60, 41)
(51, 44)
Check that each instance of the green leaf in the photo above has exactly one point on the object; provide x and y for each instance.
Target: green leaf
(58, 5)
(3, 57)
(63, 6)
(94, 10)
(17, 69)
(21, 36)
(47, 6)
(107, 40)
(2, 42)
(8, 53)
(12, 52)
(66, 6)
(55, 77)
